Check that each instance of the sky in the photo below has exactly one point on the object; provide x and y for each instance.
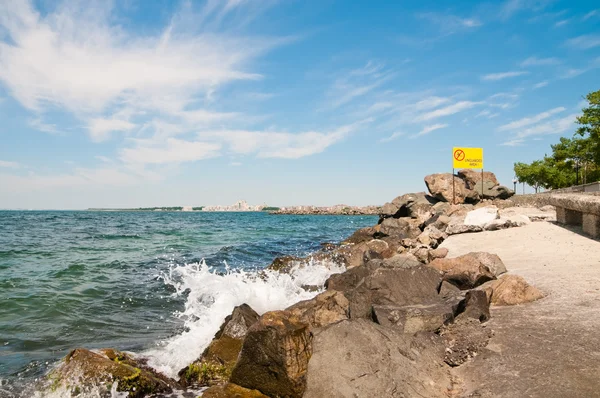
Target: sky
(137, 103)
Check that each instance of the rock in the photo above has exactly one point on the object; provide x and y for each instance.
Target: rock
(422, 254)
(482, 216)
(440, 252)
(466, 271)
(83, 371)
(328, 246)
(324, 309)
(219, 358)
(475, 305)
(230, 390)
(414, 318)
(360, 235)
(408, 205)
(498, 192)
(398, 227)
(464, 339)
(491, 261)
(473, 178)
(275, 355)
(375, 284)
(284, 264)
(512, 290)
(457, 226)
(404, 260)
(499, 224)
(447, 290)
(379, 362)
(441, 187)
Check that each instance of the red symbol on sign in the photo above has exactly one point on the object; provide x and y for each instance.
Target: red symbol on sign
(459, 154)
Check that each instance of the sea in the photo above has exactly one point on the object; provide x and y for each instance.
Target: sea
(157, 284)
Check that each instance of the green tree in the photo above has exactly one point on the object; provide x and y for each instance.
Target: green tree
(589, 123)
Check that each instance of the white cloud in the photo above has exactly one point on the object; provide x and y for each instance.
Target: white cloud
(431, 102)
(9, 165)
(562, 22)
(446, 111)
(44, 127)
(502, 75)
(487, 113)
(357, 83)
(584, 42)
(448, 23)
(46, 63)
(101, 128)
(103, 159)
(535, 61)
(428, 129)
(557, 126)
(515, 142)
(392, 137)
(541, 84)
(511, 7)
(527, 121)
(235, 164)
(590, 14)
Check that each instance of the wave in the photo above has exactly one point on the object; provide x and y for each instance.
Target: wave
(211, 296)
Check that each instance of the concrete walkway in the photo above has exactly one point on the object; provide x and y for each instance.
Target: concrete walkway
(549, 348)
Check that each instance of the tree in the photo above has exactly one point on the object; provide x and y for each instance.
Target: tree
(590, 124)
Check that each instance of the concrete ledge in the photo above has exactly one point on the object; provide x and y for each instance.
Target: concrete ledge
(574, 209)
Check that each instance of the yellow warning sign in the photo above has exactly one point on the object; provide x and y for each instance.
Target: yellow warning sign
(467, 158)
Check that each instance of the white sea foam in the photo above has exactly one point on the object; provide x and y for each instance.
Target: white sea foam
(212, 296)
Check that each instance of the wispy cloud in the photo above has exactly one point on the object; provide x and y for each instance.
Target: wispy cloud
(9, 165)
(44, 127)
(527, 121)
(535, 61)
(562, 22)
(446, 111)
(502, 75)
(357, 83)
(392, 137)
(428, 129)
(584, 42)
(591, 14)
(556, 126)
(449, 23)
(515, 142)
(487, 113)
(540, 84)
(512, 7)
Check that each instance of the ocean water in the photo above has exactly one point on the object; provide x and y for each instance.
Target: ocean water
(154, 283)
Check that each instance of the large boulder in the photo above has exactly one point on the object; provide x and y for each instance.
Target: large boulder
(399, 228)
(324, 309)
(513, 290)
(373, 283)
(482, 216)
(360, 235)
(491, 261)
(359, 358)
(275, 355)
(219, 358)
(485, 184)
(442, 186)
(84, 371)
(475, 305)
(465, 271)
(414, 318)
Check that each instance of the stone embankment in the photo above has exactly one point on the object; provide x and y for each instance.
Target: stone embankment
(396, 323)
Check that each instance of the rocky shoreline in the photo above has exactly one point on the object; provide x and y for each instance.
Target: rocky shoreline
(336, 210)
(395, 323)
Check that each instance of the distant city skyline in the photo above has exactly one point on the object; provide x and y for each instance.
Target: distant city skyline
(143, 104)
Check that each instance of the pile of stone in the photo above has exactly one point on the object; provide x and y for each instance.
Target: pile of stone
(393, 324)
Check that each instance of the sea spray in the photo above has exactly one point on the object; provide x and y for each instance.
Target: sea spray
(211, 296)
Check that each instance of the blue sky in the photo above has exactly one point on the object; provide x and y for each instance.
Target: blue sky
(137, 103)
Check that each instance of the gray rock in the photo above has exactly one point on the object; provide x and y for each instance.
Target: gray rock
(379, 362)
(414, 318)
(398, 227)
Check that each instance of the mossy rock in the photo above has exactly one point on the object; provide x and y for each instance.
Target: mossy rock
(231, 390)
(83, 370)
(204, 373)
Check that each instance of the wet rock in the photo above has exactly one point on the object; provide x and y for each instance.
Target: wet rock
(83, 371)
(360, 235)
(465, 271)
(414, 318)
(464, 339)
(230, 390)
(275, 355)
(513, 290)
(441, 187)
(284, 264)
(379, 362)
(475, 305)
(218, 359)
(324, 309)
